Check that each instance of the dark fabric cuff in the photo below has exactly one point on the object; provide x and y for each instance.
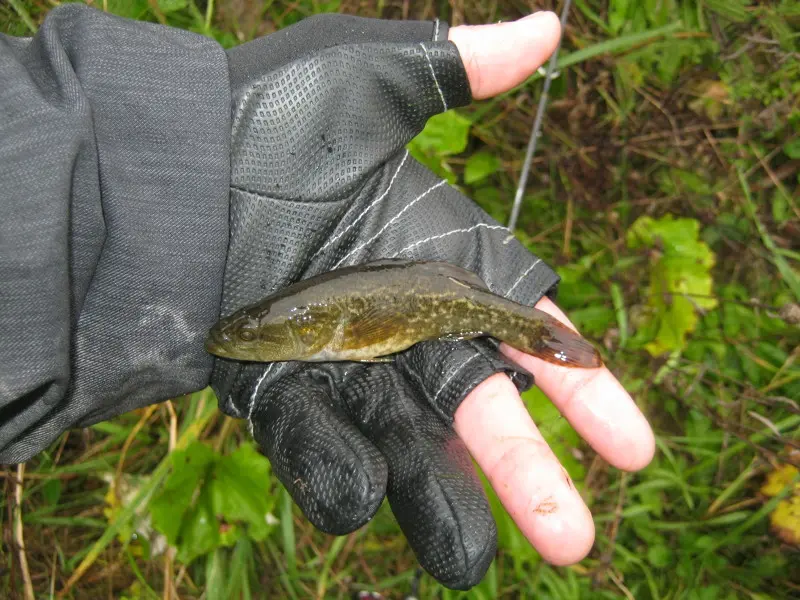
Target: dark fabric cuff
(128, 125)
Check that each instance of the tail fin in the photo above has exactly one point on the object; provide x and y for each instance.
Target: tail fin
(562, 346)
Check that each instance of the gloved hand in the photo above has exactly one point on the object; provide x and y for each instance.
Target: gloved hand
(320, 179)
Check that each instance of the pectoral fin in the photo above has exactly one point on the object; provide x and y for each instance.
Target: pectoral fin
(373, 327)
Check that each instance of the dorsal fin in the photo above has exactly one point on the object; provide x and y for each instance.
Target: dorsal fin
(454, 272)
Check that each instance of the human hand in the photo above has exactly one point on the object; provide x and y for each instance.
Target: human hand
(319, 180)
(492, 420)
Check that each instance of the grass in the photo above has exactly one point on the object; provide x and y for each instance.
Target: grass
(665, 191)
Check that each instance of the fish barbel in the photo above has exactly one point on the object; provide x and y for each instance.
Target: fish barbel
(370, 311)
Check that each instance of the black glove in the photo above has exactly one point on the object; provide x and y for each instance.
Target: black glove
(320, 179)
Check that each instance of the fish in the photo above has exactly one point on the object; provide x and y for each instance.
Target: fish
(371, 312)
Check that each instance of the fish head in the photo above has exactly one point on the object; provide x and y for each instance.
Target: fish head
(273, 333)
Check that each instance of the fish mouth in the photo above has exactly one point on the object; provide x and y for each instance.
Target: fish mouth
(217, 343)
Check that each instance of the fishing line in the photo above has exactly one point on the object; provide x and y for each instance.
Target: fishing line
(537, 122)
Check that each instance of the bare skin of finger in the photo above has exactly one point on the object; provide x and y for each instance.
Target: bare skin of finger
(595, 404)
(500, 56)
(527, 477)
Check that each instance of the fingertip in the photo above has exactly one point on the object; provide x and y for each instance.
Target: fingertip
(500, 56)
(544, 503)
(571, 542)
(605, 415)
(595, 403)
(639, 450)
(543, 18)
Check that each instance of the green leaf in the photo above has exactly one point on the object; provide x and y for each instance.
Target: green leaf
(130, 9)
(594, 320)
(680, 279)
(792, 148)
(659, 556)
(446, 133)
(169, 507)
(479, 166)
(51, 491)
(435, 163)
(696, 183)
(199, 528)
(241, 494)
(209, 501)
(575, 294)
(168, 6)
(490, 199)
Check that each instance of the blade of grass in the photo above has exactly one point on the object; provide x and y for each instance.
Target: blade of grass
(24, 16)
(787, 423)
(216, 574)
(286, 580)
(630, 556)
(151, 593)
(757, 516)
(622, 316)
(287, 533)
(788, 274)
(67, 522)
(732, 488)
(675, 476)
(335, 549)
(209, 16)
(128, 513)
(615, 46)
(239, 571)
(591, 15)
(389, 583)
(721, 521)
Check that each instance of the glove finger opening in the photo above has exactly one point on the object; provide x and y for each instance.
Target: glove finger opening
(444, 373)
(335, 475)
(433, 489)
(318, 32)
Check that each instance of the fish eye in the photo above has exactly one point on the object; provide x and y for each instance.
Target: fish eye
(247, 335)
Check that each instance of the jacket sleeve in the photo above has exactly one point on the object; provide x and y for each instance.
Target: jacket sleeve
(114, 177)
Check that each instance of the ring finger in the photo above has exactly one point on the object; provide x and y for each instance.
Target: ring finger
(527, 477)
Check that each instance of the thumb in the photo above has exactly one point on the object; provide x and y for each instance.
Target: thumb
(498, 57)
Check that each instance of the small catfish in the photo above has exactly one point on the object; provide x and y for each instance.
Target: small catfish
(371, 311)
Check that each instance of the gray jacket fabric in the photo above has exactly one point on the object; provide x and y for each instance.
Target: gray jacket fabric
(114, 177)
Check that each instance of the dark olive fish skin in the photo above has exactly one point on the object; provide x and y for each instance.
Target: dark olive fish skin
(373, 310)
